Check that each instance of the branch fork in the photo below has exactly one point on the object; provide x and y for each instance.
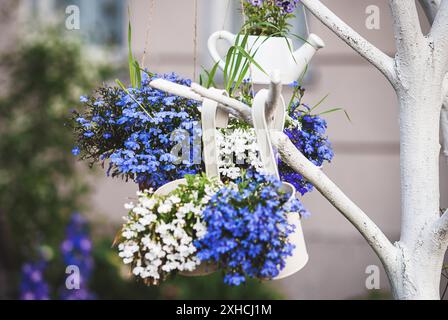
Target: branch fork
(291, 155)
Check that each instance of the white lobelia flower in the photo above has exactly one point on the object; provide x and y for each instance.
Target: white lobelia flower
(129, 206)
(140, 210)
(237, 147)
(147, 219)
(148, 202)
(174, 199)
(163, 229)
(165, 207)
(200, 228)
(137, 270)
(128, 234)
(137, 227)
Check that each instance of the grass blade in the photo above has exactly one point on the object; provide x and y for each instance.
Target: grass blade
(132, 97)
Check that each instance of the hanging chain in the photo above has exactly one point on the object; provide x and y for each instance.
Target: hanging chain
(148, 28)
(243, 13)
(195, 39)
(305, 18)
(226, 15)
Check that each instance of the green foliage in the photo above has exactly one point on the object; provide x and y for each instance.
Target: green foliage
(38, 185)
(238, 61)
(135, 75)
(266, 20)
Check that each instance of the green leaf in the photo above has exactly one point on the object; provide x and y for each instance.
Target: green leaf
(211, 76)
(138, 75)
(134, 68)
(130, 55)
(251, 59)
(132, 97)
(334, 110)
(320, 102)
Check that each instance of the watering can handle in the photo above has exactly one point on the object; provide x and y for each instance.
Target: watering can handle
(262, 125)
(213, 44)
(212, 117)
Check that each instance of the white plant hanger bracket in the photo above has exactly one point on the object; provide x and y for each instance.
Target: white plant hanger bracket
(262, 127)
(212, 117)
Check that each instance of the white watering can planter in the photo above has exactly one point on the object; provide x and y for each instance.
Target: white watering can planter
(262, 126)
(271, 53)
(213, 118)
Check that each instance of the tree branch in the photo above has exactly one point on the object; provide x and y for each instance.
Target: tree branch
(275, 92)
(441, 231)
(430, 7)
(198, 93)
(439, 33)
(444, 127)
(298, 162)
(379, 59)
(407, 30)
(369, 230)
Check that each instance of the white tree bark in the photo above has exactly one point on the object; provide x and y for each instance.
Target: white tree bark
(419, 69)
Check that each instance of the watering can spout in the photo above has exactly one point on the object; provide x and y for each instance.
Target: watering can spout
(306, 52)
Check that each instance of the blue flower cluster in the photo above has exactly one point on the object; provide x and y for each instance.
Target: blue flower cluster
(311, 141)
(137, 129)
(76, 251)
(32, 283)
(247, 228)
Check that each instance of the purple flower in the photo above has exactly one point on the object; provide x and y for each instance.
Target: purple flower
(76, 250)
(257, 3)
(32, 283)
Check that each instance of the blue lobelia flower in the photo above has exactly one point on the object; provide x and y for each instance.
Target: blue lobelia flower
(247, 228)
(311, 140)
(152, 142)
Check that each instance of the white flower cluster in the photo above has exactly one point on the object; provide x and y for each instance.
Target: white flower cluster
(158, 235)
(238, 148)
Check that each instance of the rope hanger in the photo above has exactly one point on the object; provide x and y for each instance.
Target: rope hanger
(146, 49)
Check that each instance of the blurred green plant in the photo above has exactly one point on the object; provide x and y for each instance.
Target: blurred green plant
(39, 187)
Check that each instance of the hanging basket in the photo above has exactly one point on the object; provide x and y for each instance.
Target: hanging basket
(271, 53)
(211, 118)
(262, 127)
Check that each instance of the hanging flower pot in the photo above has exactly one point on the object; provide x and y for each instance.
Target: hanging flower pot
(271, 53)
(299, 256)
(157, 238)
(267, 41)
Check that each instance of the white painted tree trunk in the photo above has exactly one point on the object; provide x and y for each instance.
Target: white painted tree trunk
(418, 260)
(416, 273)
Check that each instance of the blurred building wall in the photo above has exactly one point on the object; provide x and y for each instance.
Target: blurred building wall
(366, 165)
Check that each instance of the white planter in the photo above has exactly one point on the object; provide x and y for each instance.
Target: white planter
(299, 257)
(274, 53)
(204, 268)
(263, 127)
